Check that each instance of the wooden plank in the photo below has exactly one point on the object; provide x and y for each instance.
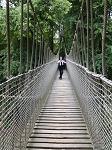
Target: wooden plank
(59, 149)
(59, 141)
(60, 116)
(55, 145)
(61, 119)
(46, 131)
(62, 107)
(60, 128)
(62, 113)
(61, 124)
(60, 110)
(61, 136)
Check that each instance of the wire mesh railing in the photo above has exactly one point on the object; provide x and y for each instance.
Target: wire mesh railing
(21, 99)
(95, 96)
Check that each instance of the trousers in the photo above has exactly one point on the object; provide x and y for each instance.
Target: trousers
(61, 73)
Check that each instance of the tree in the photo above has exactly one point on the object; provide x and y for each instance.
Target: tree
(48, 15)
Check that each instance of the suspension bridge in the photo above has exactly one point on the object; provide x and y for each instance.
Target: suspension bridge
(39, 111)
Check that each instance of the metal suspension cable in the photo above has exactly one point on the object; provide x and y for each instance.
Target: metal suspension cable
(29, 3)
(81, 43)
(27, 64)
(104, 37)
(36, 47)
(33, 42)
(87, 11)
(8, 39)
(42, 41)
(41, 50)
(83, 38)
(92, 36)
(39, 60)
(85, 50)
(21, 39)
(32, 7)
(77, 39)
(78, 58)
(74, 48)
(33, 45)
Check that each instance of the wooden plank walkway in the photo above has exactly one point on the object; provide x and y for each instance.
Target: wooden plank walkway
(61, 124)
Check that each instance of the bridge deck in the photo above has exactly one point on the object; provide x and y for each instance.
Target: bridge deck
(61, 124)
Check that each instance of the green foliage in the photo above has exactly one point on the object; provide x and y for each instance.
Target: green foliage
(2, 29)
(51, 15)
(98, 15)
(70, 21)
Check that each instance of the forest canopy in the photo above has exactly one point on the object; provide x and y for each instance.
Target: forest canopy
(58, 20)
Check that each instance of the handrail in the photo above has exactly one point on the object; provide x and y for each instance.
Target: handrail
(21, 99)
(94, 92)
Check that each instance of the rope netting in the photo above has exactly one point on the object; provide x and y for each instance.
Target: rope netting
(21, 99)
(94, 91)
(95, 95)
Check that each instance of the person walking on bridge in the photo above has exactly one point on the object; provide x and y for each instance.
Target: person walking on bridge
(61, 64)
